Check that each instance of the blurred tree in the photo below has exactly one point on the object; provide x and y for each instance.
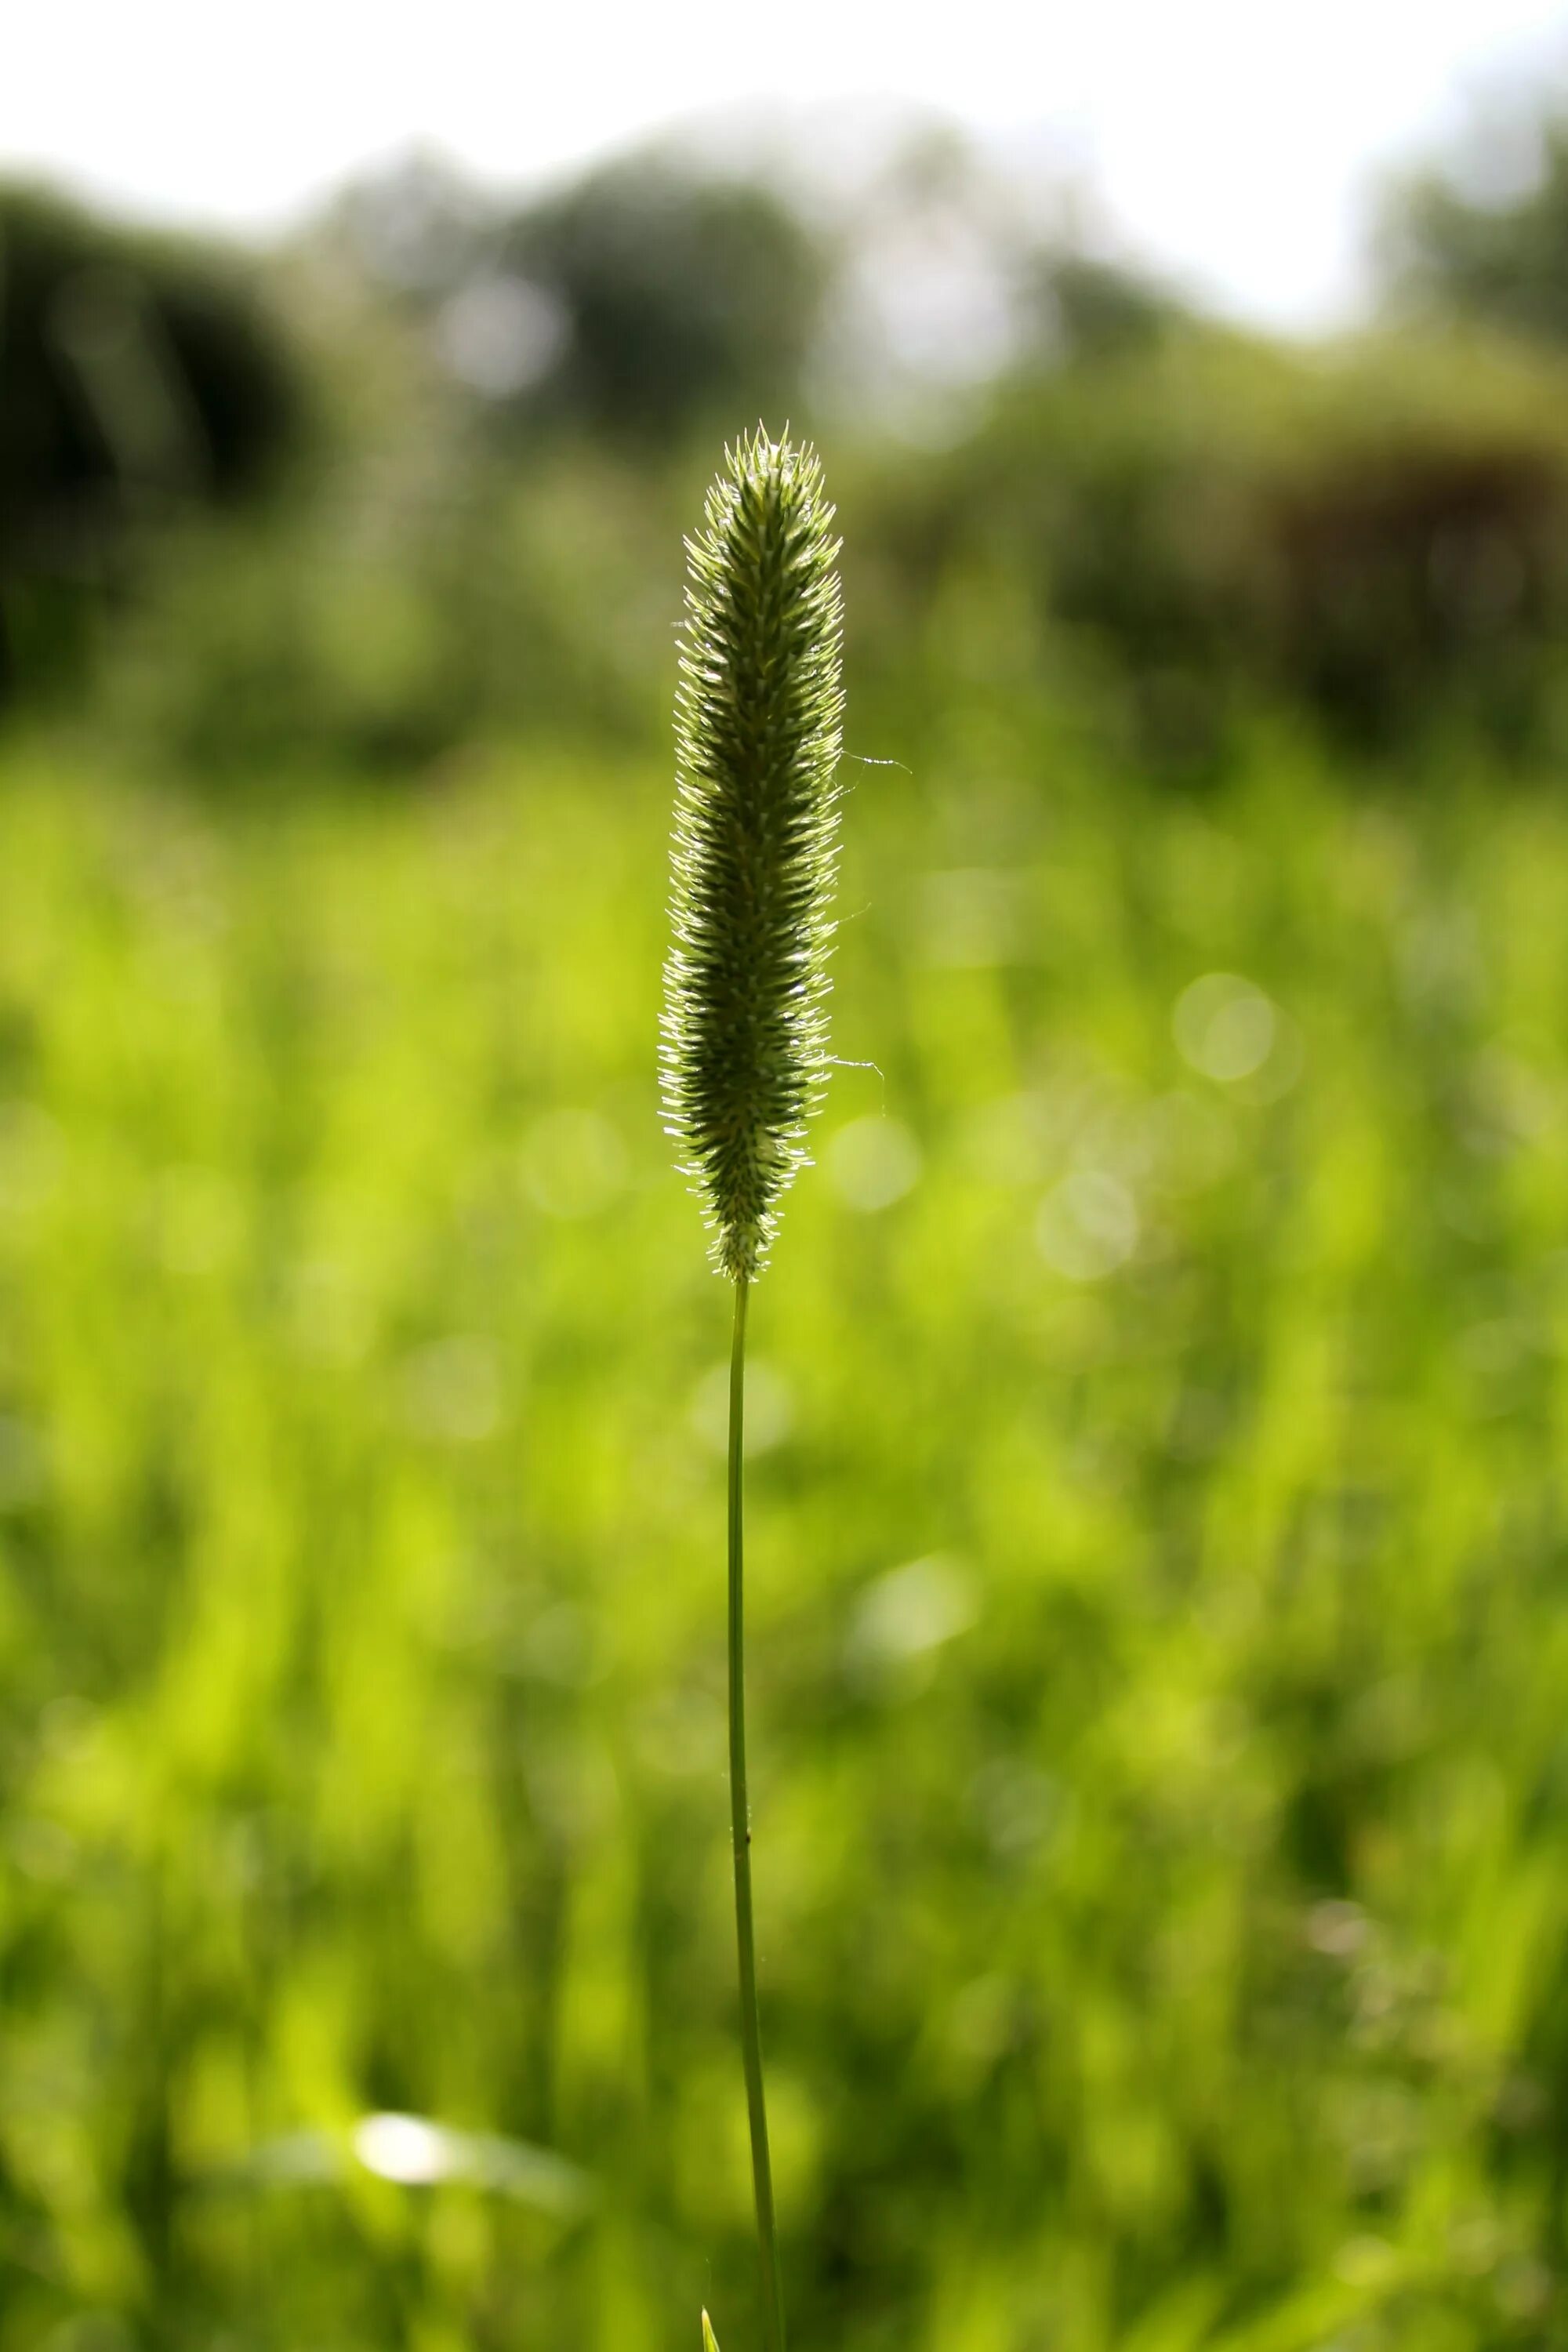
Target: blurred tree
(1094, 309)
(641, 300)
(680, 296)
(141, 376)
(1196, 523)
(1487, 234)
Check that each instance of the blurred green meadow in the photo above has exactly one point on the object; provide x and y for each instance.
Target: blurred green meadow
(1160, 1673)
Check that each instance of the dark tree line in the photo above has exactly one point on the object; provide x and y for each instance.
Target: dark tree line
(138, 375)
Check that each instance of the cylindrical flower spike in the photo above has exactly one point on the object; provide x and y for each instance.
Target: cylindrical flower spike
(743, 1055)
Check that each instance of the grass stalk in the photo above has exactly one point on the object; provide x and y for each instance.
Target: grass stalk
(743, 1050)
(741, 1838)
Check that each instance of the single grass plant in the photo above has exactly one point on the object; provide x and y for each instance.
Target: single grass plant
(744, 1036)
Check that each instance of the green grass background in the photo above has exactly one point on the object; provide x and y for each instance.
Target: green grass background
(1159, 1649)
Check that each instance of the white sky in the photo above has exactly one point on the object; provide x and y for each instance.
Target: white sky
(1231, 140)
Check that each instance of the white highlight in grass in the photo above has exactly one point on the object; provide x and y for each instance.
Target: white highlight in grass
(1088, 1226)
(401, 2148)
(417, 2153)
(873, 1162)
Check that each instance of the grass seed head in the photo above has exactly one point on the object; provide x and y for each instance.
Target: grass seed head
(759, 709)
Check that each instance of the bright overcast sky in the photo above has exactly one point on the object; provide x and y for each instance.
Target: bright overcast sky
(1232, 141)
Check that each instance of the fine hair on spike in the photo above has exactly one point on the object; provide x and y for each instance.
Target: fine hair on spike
(759, 709)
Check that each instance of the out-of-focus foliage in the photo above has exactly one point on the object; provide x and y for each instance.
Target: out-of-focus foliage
(1090, 308)
(141, 377)
(1168, 533)
(647, 301)
(1376, 533)
(393, 633)
(1158, 1547)
(1497, 251)
(1111, 504)
(477, 531)
(683, 301)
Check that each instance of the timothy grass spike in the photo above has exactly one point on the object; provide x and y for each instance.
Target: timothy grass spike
(744, 1057)
(743, 1044)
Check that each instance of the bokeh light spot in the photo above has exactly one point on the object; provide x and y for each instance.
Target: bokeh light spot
(1088, 1226)
(1224, 1026)
(873, 1162)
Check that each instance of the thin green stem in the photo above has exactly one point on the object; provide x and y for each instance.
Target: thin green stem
(741, 1838)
